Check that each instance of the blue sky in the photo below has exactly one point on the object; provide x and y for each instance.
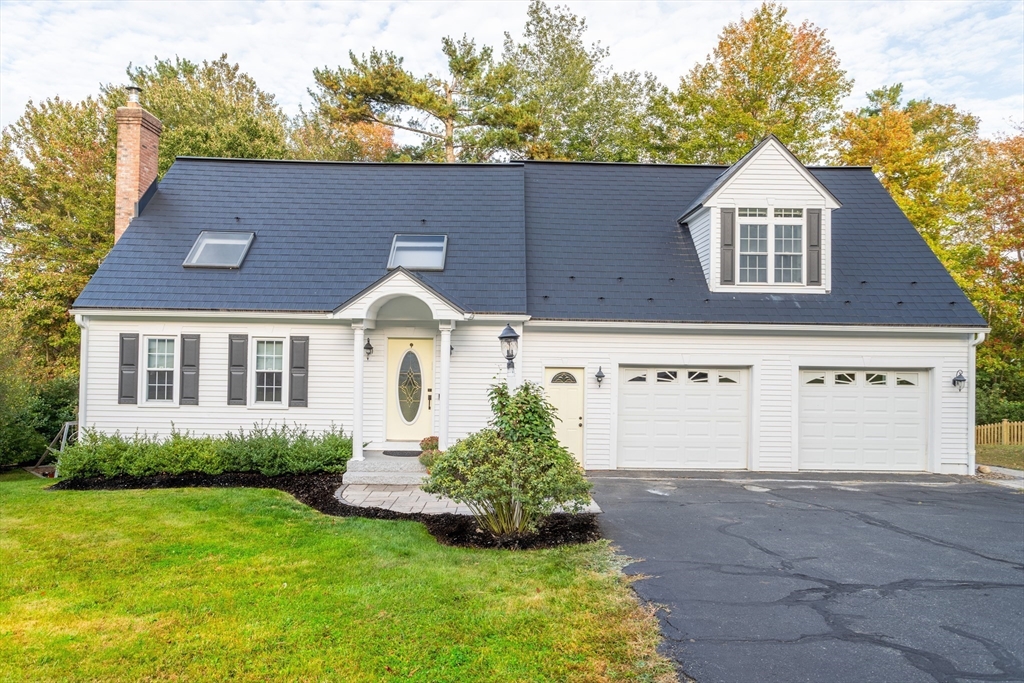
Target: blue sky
(967, 53)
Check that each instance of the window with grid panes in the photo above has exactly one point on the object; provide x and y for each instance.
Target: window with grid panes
(269, 371)
(160, 369)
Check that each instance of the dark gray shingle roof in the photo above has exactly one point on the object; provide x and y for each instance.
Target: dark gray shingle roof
(323, 234)
(573, 241)
(603, 244)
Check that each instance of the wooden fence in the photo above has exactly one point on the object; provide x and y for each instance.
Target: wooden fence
(1004, 432)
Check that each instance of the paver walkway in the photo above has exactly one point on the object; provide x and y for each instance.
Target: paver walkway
(398, 498)
(409, 498)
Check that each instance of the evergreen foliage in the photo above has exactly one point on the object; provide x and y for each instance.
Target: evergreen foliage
(269, 450)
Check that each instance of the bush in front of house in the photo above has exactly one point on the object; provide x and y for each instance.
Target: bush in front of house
(429, 451)
(271, 451)
(514, 474)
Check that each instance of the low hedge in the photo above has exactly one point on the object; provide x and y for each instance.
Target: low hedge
(271, 451)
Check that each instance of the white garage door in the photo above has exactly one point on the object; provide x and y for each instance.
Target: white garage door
(682, 418)
(857, 420)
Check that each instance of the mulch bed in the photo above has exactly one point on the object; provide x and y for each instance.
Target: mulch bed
(317, 491)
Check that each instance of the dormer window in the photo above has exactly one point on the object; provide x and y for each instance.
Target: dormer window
(418, 252)
(764, 225)
(784, 249)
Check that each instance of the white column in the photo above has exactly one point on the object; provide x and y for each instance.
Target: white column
(446, 368)
(358, 339)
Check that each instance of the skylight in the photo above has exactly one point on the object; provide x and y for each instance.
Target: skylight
(219, 249)
(418, 252)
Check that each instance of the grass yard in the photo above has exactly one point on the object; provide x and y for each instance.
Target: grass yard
(1001, 456)
(248, 584)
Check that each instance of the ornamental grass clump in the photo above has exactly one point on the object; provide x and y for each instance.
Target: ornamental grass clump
(514, 474)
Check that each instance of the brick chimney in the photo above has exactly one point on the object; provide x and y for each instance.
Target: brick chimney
(138, 151)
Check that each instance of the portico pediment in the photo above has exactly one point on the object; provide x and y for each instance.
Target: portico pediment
(399, 283)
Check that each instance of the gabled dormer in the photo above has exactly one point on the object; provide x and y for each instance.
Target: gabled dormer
(764, 225)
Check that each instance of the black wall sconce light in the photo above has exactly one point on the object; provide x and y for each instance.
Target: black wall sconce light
(959, 381)
(599, 376)
(368, 349)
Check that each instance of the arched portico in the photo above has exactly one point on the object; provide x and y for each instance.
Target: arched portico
(398, 306)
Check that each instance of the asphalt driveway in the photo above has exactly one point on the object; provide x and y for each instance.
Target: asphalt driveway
(825, 579)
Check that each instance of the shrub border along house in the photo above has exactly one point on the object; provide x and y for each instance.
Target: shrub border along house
(267, 449)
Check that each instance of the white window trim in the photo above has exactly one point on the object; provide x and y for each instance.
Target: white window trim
(772, 221)
(145, 401)
(251, 379)
(394, 246)
(199, 240)
(715, 285)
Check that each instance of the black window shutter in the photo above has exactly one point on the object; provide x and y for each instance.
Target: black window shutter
(813, 246)
(128, 376)
(189, 394)
(298, 385)
(728, 264)
(238, 361)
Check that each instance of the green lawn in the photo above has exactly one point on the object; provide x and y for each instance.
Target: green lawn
(248, 584)
(1001, 456)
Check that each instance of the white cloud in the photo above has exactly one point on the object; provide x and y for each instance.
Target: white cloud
(967, 53)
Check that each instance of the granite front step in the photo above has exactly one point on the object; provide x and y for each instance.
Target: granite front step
(377, 468)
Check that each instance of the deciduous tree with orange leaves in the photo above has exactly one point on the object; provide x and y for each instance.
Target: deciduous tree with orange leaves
(766, 75)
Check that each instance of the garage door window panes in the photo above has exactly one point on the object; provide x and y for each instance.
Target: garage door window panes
(682, 418)
(863, 420)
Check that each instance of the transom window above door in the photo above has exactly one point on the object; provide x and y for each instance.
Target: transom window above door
(771, 245)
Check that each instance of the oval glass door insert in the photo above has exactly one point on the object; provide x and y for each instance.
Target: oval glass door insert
(410, 387)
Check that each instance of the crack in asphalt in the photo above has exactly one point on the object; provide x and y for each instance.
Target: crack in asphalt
(823, 597)
(820, 599)
(889, 526)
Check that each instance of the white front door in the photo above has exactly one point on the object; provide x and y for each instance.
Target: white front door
(863, 420)
(410, 389)
(564, 387)
(682, 418)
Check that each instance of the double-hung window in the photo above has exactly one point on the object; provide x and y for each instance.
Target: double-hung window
(771, 247)
(159, 369)
(269, 384)
(753, 245)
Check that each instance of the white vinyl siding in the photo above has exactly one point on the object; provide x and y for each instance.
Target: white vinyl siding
(700, 233)
(774, 360)
(771, 181)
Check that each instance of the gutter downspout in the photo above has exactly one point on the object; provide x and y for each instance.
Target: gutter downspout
(972, 403)
(83, 371)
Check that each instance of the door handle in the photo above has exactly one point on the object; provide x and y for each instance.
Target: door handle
(429, 398)
(581, 420)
